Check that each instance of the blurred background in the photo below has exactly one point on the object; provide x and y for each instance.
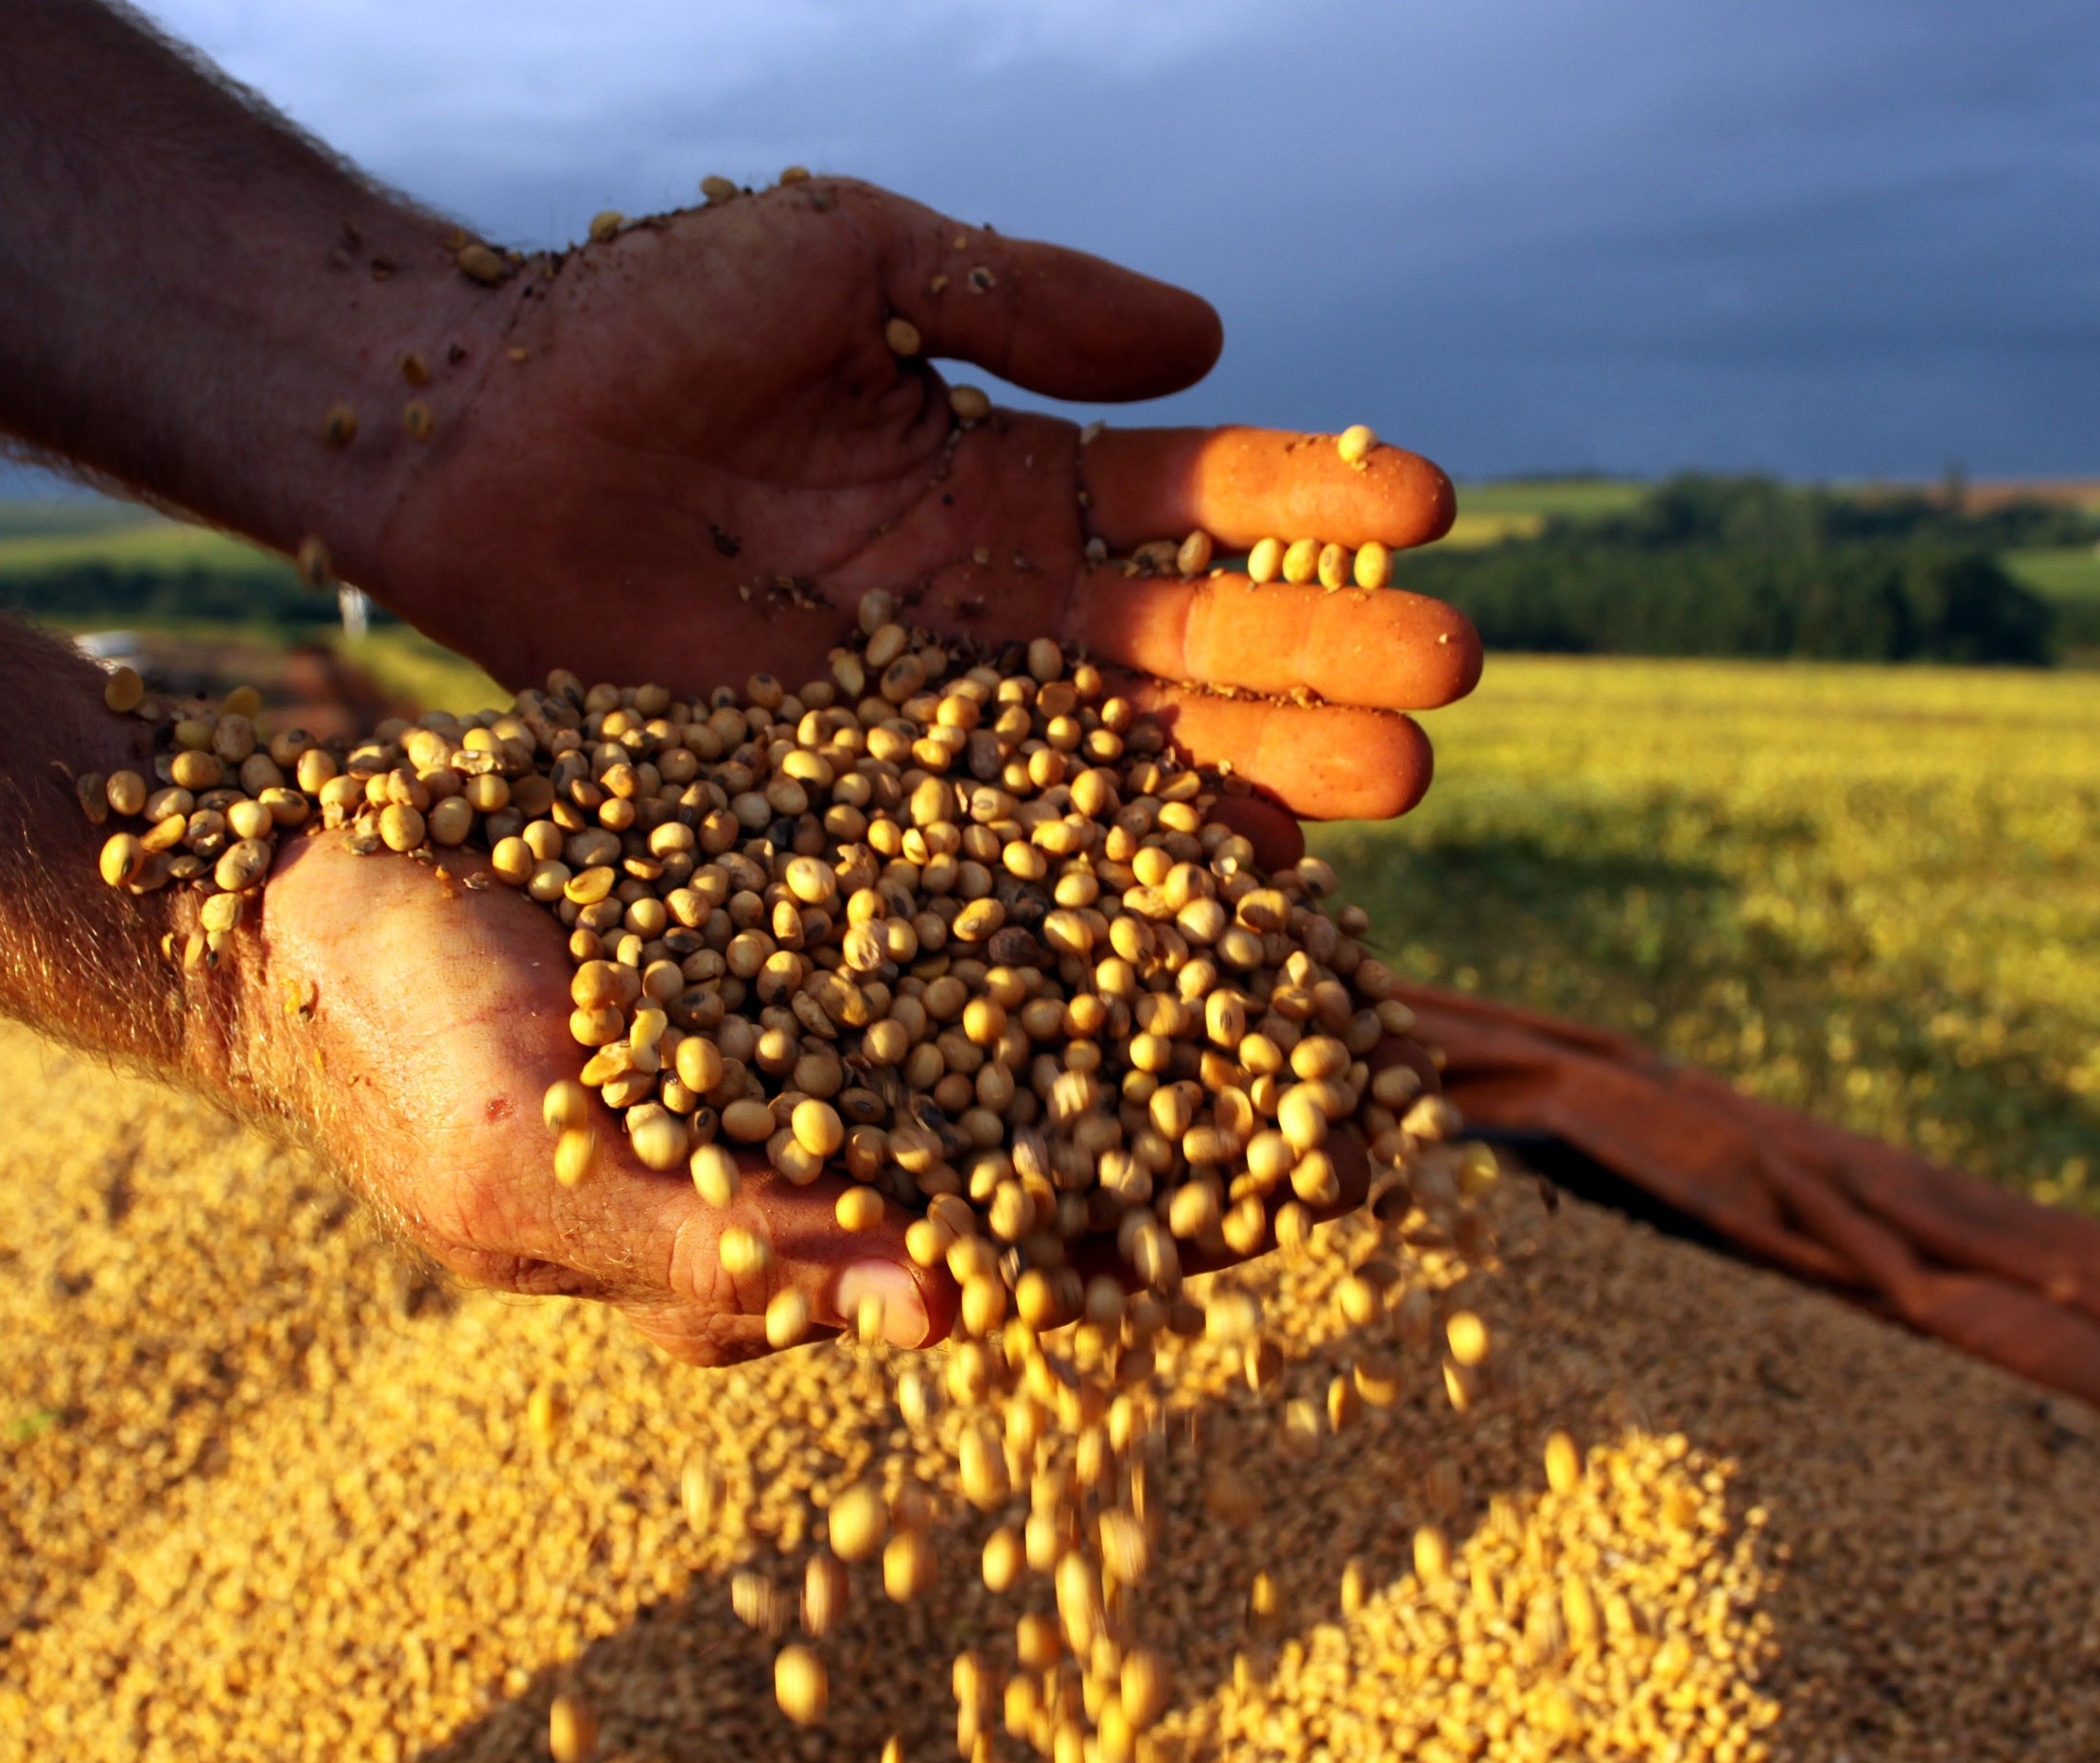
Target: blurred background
(1763, 342)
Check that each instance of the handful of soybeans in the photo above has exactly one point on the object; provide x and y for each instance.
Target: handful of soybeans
(957, 924)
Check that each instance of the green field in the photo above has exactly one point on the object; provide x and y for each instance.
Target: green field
(30, 519)
(36, 537)
(46, 535)
(1870, 894)
(40, 536)
(1519, 508)
(103, 565)
(1536, 498)
(2070, 577)
(2064, 573)
(148, 543)
(1471, 530)
(409, 665)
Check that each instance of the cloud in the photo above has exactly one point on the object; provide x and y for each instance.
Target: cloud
(1824, 238)
(391, 71)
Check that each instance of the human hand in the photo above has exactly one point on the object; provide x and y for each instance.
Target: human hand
(409, 1024)
(635, 454)
(406, 1024)
(557, 468)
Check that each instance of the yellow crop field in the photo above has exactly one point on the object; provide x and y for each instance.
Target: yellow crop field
(1871, 894)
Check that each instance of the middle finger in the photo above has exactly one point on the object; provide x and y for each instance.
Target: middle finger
(1382, 649)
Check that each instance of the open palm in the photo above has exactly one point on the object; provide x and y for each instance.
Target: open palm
(410, 1022)
(691, 446)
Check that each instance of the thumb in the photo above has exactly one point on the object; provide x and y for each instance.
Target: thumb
(711, 1312)
(1054, 320)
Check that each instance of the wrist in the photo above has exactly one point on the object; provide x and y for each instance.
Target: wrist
(129, 971)
(79, 960)
(225, 1044)
(374, 358)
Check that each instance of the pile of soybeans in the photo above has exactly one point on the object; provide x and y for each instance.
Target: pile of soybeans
(270, 1495)
(960, 925)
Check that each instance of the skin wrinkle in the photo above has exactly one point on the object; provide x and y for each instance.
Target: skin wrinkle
(1016, 350)
(909, 276)
(930, 1300)
(854, 546)
(1354, 647)
(728, 1308)
(683, 1266)
(357, 934)
(927, 492)
(1045, 522)
(1082, 500)
(80, 961)
(873, 263)
(481, 1189)
(1078, 324)
(335, 1114)
(950, 593)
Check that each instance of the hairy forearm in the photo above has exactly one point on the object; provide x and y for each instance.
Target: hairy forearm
(188, 286)
(76, 959)
(93, 965)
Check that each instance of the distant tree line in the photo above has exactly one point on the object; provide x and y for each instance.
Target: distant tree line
(1708, 565)
(1702, 566)
(1756, 512)
(266, 593)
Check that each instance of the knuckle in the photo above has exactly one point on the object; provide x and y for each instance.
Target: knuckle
(695, 1280)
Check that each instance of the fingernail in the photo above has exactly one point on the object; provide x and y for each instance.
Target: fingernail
(885, 1283)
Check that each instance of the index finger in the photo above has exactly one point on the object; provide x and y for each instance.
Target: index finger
(698, 1311)
(1244, 484)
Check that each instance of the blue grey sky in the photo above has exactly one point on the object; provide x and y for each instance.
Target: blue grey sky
(1822, 237)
